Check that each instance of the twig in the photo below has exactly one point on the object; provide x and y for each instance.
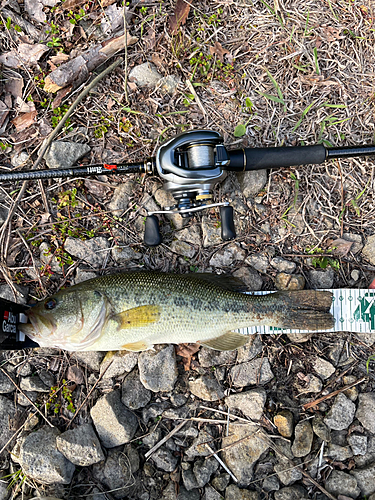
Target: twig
(222, 463)
(198, 101)
(29, 400)
(125, 54)
(306, 406)
(165, 439)
(89, 394)
(17, 432)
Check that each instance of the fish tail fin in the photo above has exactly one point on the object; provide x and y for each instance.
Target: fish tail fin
(306, 310)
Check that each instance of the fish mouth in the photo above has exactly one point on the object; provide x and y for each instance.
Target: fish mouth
(36, 325)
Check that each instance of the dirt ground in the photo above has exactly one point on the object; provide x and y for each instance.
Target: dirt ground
(262, 74)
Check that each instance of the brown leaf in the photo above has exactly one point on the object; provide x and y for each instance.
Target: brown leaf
(60, 96)
(219, 51)
(331, 34)
(178, 18)
(186, 351)
(341, 247)
(4, 110)
(24, 121)
(14, 86)
(72, 4)
(75, 374)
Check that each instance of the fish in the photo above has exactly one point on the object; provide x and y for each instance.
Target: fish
(133, 311)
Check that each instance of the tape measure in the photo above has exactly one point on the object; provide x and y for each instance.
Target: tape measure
(352, 309)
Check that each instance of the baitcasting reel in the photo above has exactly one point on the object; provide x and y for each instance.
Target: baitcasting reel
(191, 164)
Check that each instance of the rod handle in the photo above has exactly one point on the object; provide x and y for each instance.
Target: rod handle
(228, 231)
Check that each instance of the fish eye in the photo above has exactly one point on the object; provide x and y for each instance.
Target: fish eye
(50, 304)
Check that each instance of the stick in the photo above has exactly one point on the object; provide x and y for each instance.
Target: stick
(306, 406)
(165, 439)
(222, 463)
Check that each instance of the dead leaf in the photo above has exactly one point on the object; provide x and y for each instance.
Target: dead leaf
(24, 107)
(72, 4)
(341, 247)
(60, 96)
(75, 374)
(150, 39)
(219, 51)
(331, 34)
(158, 60)
(27, 53)
(14, 86)
(186, 351)
(106, 3)
(24, 121)
(178, 18)
(4, 110)
(59, 58)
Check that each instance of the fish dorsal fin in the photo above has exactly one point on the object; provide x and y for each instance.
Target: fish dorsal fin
(227, 342)
(225, 281)
(137, 316)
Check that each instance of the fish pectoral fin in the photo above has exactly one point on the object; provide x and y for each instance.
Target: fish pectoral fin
(137, 346)
(227, 342)
(137, 316)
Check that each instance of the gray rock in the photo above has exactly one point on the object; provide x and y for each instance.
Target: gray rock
(295, 492)
(120, 199)
(190, 234)
(21, 295)
(303, 437)
(93, 251)
(91, 359)
(284, 422)
(250, 277)
(7, 413)
(158, 371)
(271, 483)
(154, 410)
(23, 401)
(6, 385)
(19, 158)
(183, 248)
(341, 414)
(211, 232)
(299, 337)
(168, 84)
(337, 452)
(368, 250)
(233, 492)
(285, 472)
(258, 262)
(257, 371)
(164, 459)
(285, 281)
(210, 357)
(134, 394)
(221, 482)
(365, 479)
(252, 182)
(33, 384)
(200, 474)
(199, 447)
(121, 362)
(321, 278)
(63, 154)
(117, 472)
(227, 255)
(366, 410)
(357, 241)
(113, 20)
(206, 388)
(211, 494)
(187, 495)
(240, 454)
(169, 492)
(251, 403)
(80, 445)
(321, 430)
(114, 424)
(341, 483)
(123, 254)
(145, 75)
(323, 368)
(313, 384)
(5, 490)
(83, 275)
(358, 444)
(41, 460)
(283, 266)
(250, 350)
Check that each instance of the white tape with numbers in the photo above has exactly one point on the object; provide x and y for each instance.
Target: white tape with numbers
(353, 310)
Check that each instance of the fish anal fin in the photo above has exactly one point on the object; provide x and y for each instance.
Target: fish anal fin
(227, 342)
(137, 346)
(137, 316)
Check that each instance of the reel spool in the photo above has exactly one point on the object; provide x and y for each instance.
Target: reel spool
(191, 164)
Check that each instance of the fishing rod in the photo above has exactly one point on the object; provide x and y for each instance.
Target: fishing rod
(191, 164)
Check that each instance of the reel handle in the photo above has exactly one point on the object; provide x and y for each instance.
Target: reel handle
(228, 231)
(152, 236)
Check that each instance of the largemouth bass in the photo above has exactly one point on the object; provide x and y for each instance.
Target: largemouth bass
(133, 311)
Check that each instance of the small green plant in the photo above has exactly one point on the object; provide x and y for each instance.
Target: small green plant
(103, 127)
(55, 42)
(240, 129)
(74, 18)
(54, 402)
(54, 29)
(16, 477)
(4, 146)
(280, 98)
(369, 360)
(66, 199)
(58, 114)
(323, 261)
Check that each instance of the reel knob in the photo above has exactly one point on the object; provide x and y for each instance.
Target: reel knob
(152, 236)
(228, 231)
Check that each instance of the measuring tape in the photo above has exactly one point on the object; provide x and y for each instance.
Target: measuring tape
(352, 309)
